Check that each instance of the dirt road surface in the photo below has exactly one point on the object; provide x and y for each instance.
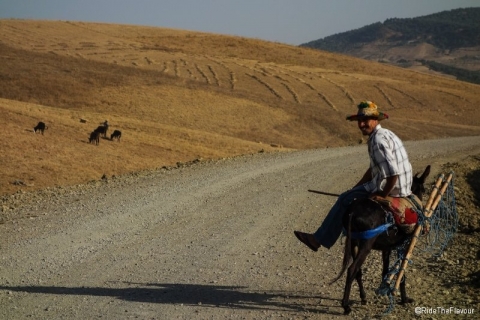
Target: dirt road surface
(213, 240)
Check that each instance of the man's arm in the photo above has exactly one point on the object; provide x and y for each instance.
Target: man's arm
(366, 177)
(389, 185)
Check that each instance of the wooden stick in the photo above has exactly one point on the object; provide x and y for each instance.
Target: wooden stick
(433, 194)
(428, 212)
(439, 196)
(325, 193)
(418, 228)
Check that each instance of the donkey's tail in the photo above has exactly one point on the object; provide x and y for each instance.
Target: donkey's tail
(347, 254)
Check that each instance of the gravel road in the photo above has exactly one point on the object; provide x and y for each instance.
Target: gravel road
(212, 240)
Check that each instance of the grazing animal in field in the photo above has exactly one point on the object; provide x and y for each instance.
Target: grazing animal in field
(365, 215)
(40, 127)
(117, 134)
(94, 137)
(102, 130)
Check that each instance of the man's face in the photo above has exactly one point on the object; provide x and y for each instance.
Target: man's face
(366, 125)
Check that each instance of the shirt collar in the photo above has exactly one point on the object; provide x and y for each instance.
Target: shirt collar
(375, 130)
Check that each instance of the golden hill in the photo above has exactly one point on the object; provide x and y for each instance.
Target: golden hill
(180, 95)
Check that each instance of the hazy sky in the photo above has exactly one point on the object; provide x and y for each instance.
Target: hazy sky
(288, 21)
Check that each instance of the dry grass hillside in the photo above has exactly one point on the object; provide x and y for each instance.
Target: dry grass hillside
(179, 95)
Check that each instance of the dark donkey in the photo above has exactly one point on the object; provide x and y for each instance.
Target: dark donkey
(102, 130)
(41, 126)
(363, 215)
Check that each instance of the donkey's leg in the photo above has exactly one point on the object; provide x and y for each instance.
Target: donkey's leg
(385, 269)
(363, 295)
(403, 292)
(350, 276)
(385, 262)
(346, 292)
(352, 273)
(386, 265)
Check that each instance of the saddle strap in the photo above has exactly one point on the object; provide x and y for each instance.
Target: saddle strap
(368, 234)
(416, 203)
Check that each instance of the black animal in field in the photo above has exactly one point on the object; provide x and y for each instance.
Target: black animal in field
(117, 134)
(94, 137)
(102, 130)
(40, 127)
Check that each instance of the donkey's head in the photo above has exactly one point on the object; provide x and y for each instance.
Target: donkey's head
(418, 183)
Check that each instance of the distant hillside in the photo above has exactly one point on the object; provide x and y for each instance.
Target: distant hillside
(447, 42)
(180, 96)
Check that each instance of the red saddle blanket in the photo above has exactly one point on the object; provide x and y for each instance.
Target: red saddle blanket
(403, 211)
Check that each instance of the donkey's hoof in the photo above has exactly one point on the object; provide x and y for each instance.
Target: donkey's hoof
(347, 310)
(364, 302)
(407, 300)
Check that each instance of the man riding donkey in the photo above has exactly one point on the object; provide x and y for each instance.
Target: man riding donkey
(388, 180)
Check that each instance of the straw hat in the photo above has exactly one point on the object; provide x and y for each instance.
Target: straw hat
(368, 109)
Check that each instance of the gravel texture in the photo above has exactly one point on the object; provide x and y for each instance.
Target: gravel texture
(214, 240)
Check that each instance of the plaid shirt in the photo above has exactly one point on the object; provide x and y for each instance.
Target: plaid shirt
(388, 157)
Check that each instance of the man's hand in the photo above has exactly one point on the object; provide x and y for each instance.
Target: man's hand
(380, 199)
(389, 185)
(377, 197)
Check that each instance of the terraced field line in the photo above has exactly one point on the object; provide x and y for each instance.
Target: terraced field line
(272, 90)
(342, 88)
(289, 72)
(321, 95)
(189, 71)
(284, 82)
(292, 92)
(308, 85)
(202, 74)
(385, 95)
(453, 95)
(262, 70)
(165, 67)
(231, 78)
(311, 87)
(244, 67)
(149, 61)
(215, 76)
(406, 94)
(175, 68)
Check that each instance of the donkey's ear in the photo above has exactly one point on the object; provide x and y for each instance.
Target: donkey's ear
(425, 173)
